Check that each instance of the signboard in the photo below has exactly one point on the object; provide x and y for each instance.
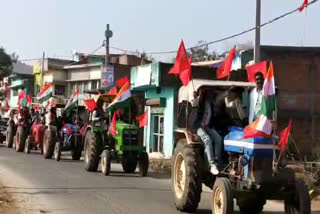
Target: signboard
(143, 75)
(107, 76)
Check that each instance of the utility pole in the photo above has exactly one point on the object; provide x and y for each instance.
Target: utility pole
(257, 32)
(42, 70)
(108, 34)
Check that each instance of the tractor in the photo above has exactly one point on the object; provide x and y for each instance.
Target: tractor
(23, 128)
(250, 174)
(35, 139)
(100, 145)
(11, 128)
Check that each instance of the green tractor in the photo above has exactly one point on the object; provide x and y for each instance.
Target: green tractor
(100, 145)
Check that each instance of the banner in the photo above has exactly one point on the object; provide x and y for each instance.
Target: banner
(107, 76)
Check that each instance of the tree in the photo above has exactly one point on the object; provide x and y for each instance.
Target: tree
(201, 52)
(5, 63)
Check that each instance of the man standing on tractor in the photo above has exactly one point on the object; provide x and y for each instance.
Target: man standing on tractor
(256, 98)
(201, 125)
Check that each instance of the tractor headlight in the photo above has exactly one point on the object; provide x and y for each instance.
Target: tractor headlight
(243, 161)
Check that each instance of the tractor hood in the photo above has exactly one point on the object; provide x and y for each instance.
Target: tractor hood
(122, 125)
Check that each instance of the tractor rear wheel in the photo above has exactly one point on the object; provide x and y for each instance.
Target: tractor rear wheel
(20, 139)
(129, 162)
(143, 164)
(27, 146)
(9, 136)
(49, 142)
(92, 151)
(300, 202)
(57, 151)
(77, 148)
(186, 176)
(106, 162)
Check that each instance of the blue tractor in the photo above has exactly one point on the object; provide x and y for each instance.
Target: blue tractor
(253, 170)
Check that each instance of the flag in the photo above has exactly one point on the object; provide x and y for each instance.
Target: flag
(29, 99)
(7, 107)
(253, 69)
(122, 81)
(113, 91)
(83, 129)
(69, 131)
(284, 135)
(113, 126)
(22, 95)
(305, 4)
(225, 68)
(143, 119)
(38, 107)
(34, 106)
(268, 104)
(91, 104)
(260, 128)
(46, 93)
(182, 65)
(73, 101)
(122, 97)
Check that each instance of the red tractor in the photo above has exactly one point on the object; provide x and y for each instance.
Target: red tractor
(35, 139)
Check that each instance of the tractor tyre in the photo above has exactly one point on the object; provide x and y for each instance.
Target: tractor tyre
(14, 142)
(186, 176)
(27, 146)
(300, 202)
(251, 206)
(77, 149)
(143, 164)
(57, 151)
(106, 162)
(129, 162)
(222, 201)
(9, 136)
(20, 139)
(49, 142)
(92, 150)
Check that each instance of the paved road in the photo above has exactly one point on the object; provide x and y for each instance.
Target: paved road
(47, 186)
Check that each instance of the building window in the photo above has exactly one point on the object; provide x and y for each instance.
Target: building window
(15, 92)
(95, 84)
(59, 90)
(158, 122)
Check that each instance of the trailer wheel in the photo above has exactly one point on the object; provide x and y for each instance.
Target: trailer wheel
(222, 201)
(300, 202)
(186, 176)
(9, 136)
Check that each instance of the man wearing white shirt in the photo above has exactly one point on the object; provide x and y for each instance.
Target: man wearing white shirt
(256, 98)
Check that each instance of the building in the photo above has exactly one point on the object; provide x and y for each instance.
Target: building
(20, 79)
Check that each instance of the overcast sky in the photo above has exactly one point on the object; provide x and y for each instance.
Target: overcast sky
(59, 27)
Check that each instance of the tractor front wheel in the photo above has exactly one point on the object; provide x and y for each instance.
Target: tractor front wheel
(57, 151)
(222, 200)
(48, 144)
(77, 148)
(20, 139)
(9, 136)
(186, 176)
(300, 202)
(129, 162)
(92, 151)
(254, 206)
(143, 164)
(27, 146)
(106, 162)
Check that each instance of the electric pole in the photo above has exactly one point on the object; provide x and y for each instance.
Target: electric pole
(108, 34)
(42, 71)
(257, 32)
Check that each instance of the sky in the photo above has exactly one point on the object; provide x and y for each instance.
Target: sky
(60, 27)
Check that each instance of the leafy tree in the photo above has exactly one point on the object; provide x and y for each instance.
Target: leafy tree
(5, 63)
(201, 52)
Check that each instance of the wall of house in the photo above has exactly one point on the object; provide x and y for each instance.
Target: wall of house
(88, 73)
(168, 94)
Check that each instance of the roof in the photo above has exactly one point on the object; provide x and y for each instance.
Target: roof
(186, 92)
(21, 68)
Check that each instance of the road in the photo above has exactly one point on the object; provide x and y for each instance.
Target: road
(47, 186)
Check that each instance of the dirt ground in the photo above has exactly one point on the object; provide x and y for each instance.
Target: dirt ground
(7, 204)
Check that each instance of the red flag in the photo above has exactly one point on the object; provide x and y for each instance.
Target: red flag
(34, 106)
(83, 129)
(69, 131)
(91, 104)
(113, 129)
(225, 68)
(182, 65)
(38, 106)
(284, 135)
(7, 107)
(122, 81)
(29, 99)
(22, 95)
(143, 119)
(253, 69)
(305, 4)
(113, 91)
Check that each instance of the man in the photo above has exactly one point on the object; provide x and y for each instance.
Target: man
(201, 118)
(256, 98)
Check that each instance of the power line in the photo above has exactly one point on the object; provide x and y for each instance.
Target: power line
(228, 37)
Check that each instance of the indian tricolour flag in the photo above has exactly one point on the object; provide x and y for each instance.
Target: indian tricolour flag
(73, 101)
(268, 104)
(122, 97)
(262, 126)
(45, 94)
